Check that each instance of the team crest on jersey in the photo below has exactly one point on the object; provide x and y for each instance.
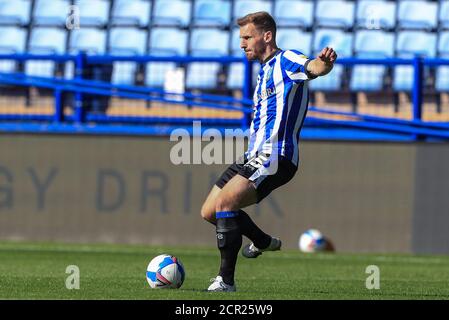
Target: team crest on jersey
(270, 72)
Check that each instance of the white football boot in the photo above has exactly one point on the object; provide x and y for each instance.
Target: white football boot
(250, 250)
(219, 286)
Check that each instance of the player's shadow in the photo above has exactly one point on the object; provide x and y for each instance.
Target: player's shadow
(201, 291)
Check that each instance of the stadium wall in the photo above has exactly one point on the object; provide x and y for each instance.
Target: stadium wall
(367, 197)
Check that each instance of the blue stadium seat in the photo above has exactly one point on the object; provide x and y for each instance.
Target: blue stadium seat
(126, 41)
(442, 76)
(243, 7)
(367, 77)
(235, 75)
(15, 12)
(335, 13)
(155, 73)
(93, 13)
(338, 39)
(443, 44)
(442, 72)
(206, 42)
(331, 82)
(371, 44)
(414, 14)
(209, 42)
(444, 14)
(403, 78)
(168, 41)
(287, 39)
(235, 43)
(171, 13)
(212, 13)
(202, 75)
(90, 40)
(342, 43)
(12, 40)
(51, 12)
(409, 44)
(164, 42)
(131, 13)
(376, 14)
(45, 40)
(374, 41)
(294, 13)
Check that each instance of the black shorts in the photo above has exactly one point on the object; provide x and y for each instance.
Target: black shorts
(281, 171)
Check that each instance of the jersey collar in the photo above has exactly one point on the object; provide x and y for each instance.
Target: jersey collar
(270, 58)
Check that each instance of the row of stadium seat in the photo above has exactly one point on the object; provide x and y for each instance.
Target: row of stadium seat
(384, 14)
(213, 42)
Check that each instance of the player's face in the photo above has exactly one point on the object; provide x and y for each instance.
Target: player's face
(252, 42)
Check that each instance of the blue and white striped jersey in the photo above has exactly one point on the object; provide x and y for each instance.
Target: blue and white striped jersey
(280, 105)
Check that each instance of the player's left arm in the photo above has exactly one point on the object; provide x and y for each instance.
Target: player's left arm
(322, 64)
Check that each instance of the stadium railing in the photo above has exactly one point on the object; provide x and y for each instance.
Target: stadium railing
(416, 126)
(79, 89)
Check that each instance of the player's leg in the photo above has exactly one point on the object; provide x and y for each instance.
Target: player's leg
(238, 193)
(247, 226)
(265, 184)
(232, 192)
(208, 207)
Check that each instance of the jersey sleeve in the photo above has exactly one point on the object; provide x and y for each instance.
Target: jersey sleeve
(295, 65)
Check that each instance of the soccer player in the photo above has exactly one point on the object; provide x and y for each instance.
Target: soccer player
(280, 106)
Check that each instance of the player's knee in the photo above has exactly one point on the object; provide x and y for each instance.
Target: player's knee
(207, 214)
(223, 204)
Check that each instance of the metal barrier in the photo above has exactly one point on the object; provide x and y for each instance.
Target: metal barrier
(79, 87)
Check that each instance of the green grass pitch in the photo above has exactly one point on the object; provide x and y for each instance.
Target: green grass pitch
(38, 271)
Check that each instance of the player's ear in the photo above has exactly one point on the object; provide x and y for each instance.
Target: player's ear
(268, 36)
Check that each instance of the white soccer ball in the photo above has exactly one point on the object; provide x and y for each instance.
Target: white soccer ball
(165, 272)
(312, 241)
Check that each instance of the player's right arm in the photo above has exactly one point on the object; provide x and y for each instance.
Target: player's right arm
(322, 64)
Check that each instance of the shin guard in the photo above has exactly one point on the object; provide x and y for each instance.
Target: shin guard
(229, 241)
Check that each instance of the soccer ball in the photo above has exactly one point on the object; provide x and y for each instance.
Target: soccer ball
(312, 241)
(165, 272)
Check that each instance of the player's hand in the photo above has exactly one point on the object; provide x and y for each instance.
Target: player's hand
(327, 55)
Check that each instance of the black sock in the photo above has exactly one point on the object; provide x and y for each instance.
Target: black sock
(229, 241)
(250, 230)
